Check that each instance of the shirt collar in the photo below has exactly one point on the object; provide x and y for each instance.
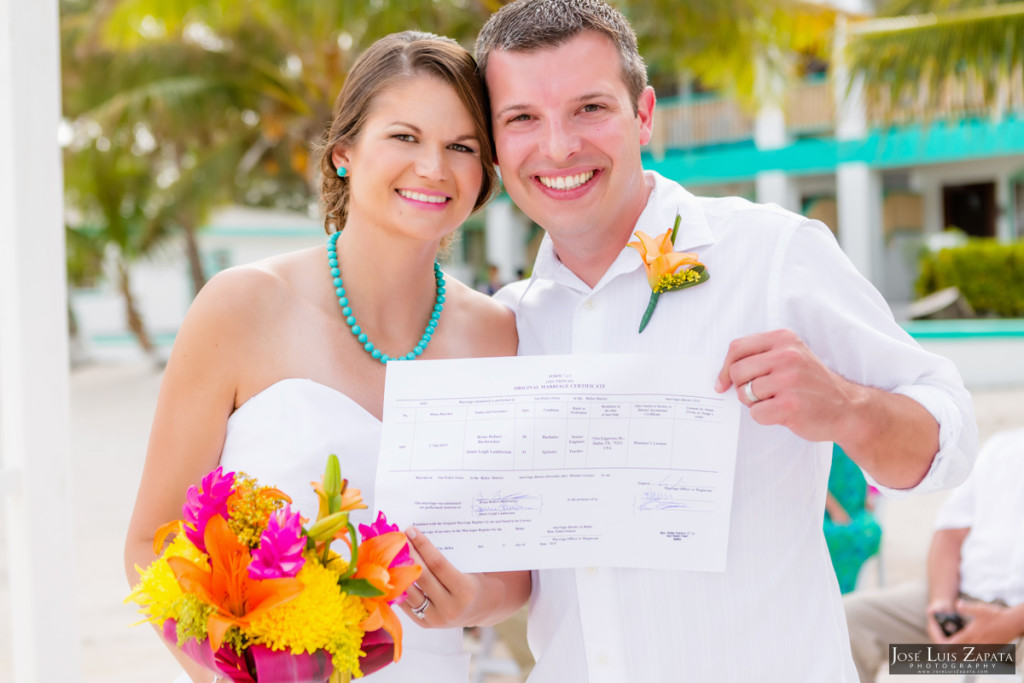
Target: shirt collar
(666, 200)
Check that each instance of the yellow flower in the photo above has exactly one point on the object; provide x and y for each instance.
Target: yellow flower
(250, 507)
(321, 617)
(158, 592)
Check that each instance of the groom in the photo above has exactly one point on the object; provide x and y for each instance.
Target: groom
(808, 345)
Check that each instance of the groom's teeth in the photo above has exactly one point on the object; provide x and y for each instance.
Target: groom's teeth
(570, 182)
(420, 197)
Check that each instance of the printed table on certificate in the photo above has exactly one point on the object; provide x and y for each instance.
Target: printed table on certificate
(539, 462)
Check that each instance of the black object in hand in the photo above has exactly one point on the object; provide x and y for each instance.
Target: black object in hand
(949, 622)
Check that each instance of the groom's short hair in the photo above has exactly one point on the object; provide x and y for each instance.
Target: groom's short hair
(530, 25)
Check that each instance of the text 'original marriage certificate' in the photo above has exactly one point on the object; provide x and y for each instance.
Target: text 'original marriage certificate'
(540, 462)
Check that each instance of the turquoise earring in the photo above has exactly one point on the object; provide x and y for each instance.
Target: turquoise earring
(342, 171)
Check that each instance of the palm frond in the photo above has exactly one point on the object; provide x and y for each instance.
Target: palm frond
(168, 95)
(968, 60)
(736, 46)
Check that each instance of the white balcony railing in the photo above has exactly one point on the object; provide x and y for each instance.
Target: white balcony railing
(810, 109)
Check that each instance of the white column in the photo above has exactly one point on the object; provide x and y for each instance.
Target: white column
(34, 393)
(777, 187)
(851, 110)
(773, 186)
(859, 206)
(1004, 208)
(931, 196)
(858, 188)
(505, 238)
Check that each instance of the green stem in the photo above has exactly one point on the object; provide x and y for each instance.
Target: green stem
(354, 560)
(650, 311)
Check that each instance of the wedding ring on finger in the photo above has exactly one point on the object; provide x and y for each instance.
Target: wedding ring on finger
(419, 611)
(748, 389)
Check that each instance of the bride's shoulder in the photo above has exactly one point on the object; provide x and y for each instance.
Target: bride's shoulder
(255, 291)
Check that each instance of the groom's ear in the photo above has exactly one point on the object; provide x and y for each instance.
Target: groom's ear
(645, 112)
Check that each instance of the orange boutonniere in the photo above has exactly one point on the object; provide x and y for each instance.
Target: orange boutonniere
(667, 269)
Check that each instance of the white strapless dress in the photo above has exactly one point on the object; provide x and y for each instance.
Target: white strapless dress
(282, 436)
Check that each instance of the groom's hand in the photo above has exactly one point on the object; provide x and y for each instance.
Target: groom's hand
(891, 436)
(792, 386)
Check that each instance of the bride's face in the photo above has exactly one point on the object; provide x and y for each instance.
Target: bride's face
(415, 168)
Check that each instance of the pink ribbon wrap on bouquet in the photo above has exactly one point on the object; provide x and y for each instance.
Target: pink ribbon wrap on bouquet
(379, 650)
(271, 666)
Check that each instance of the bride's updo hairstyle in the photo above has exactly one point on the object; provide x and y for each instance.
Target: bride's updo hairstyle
(386, 63)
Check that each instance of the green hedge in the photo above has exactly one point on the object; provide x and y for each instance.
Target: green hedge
(989, 274)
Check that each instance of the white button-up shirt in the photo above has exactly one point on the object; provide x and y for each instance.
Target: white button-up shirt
(775, 614)
(991, 504)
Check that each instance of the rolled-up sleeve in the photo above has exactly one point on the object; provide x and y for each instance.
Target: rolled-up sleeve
(846, 322)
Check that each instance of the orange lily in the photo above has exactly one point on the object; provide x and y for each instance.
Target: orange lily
(663, 266)
(165, 530)
(659, 257)
(225, 583)
(268, 492)
(336, 500)
(334, 492)
(350, 499)
(374, 565)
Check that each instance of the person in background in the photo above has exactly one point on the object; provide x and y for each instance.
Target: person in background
(974, 592)
(493, 282)
(852, 532)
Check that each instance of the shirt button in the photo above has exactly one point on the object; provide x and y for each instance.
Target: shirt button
(602, 660)
(591, 570)
(589, 305)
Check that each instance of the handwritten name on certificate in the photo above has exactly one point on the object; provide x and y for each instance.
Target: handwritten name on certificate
(540, 462)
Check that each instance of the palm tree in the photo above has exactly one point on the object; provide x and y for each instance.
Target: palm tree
(109, 188)
(925, 56)
(158, 93)
(282, 63)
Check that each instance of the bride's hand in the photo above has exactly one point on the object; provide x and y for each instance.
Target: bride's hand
(458, 599)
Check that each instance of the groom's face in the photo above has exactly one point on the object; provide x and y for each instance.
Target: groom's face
(567, 137)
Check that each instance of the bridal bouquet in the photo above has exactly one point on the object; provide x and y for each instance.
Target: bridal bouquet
(251, 594)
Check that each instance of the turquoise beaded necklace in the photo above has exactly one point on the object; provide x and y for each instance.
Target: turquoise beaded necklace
(350, 319)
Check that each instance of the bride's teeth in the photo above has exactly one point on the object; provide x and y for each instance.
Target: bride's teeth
(420, 197)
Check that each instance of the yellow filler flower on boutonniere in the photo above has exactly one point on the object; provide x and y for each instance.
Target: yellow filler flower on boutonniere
(667, 270)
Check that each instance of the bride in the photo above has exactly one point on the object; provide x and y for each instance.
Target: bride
(281, 362)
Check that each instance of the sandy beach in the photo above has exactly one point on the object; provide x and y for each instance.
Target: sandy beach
(111, 410)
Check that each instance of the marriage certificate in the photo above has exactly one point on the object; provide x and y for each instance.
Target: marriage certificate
(540, 462)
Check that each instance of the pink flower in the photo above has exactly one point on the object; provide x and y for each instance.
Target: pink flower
(202, 503)
(381, 526)
(279, 554)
